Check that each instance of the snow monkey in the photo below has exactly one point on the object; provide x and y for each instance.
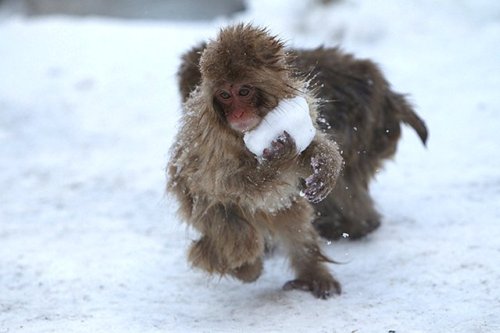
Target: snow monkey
(240, 200)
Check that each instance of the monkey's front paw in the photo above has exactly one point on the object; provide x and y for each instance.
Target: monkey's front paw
(315, 190)
(282, 148)
(317, 185)
(322, 288)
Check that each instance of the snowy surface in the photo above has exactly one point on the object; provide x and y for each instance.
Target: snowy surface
(291, 115)
(90, 243)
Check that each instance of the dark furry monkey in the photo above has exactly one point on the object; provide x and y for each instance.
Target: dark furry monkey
(239, 203)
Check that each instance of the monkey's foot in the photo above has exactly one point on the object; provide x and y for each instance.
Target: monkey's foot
(351, 229)
(248, 272)
(362, 228)
(203, 255)
(321, 288)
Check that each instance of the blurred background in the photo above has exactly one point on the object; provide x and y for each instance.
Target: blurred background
(132, 9)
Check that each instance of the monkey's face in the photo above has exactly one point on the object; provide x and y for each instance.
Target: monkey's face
(238, 104)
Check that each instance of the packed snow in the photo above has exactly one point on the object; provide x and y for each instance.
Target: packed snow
(90, 242)
(290, 116)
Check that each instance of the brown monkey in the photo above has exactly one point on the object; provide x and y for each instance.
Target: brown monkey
(359, 111)
(236, 201)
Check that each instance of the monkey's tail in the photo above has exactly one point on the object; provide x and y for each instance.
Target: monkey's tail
(408, 116)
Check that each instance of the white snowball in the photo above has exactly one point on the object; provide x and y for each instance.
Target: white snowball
(291, 115)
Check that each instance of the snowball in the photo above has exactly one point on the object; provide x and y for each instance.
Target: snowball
(291, 115)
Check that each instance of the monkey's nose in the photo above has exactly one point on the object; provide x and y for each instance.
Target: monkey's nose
(238, 113)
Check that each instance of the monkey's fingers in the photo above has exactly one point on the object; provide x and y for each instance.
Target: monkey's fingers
(274, 151)
(316, 197)
(288, 141)
(316, 190)
(285, 138)
(283, 146)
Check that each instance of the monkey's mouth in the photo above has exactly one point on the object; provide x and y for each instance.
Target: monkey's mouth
(244, 125)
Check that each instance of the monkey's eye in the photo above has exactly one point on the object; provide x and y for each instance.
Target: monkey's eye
(224, 95)
(244, 91)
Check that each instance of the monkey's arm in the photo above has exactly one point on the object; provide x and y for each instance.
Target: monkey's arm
(321, 162)
(319, 165)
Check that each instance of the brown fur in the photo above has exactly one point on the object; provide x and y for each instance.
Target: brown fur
(235, 201)
(359, 111)
(363, 116)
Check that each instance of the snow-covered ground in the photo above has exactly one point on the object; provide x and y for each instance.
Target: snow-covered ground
(90, 243)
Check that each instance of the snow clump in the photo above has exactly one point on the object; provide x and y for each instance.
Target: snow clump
(291, 115)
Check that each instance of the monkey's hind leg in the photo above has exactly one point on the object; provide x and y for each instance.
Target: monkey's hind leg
(229, 245)
(306, 258)
(248, 272)
(348, 210)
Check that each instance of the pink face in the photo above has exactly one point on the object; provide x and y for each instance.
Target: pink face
(238, 103)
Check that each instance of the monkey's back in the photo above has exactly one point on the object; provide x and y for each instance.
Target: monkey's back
(358, 109)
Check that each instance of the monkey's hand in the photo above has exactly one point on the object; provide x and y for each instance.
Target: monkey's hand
(320, 183)
(282, 149)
